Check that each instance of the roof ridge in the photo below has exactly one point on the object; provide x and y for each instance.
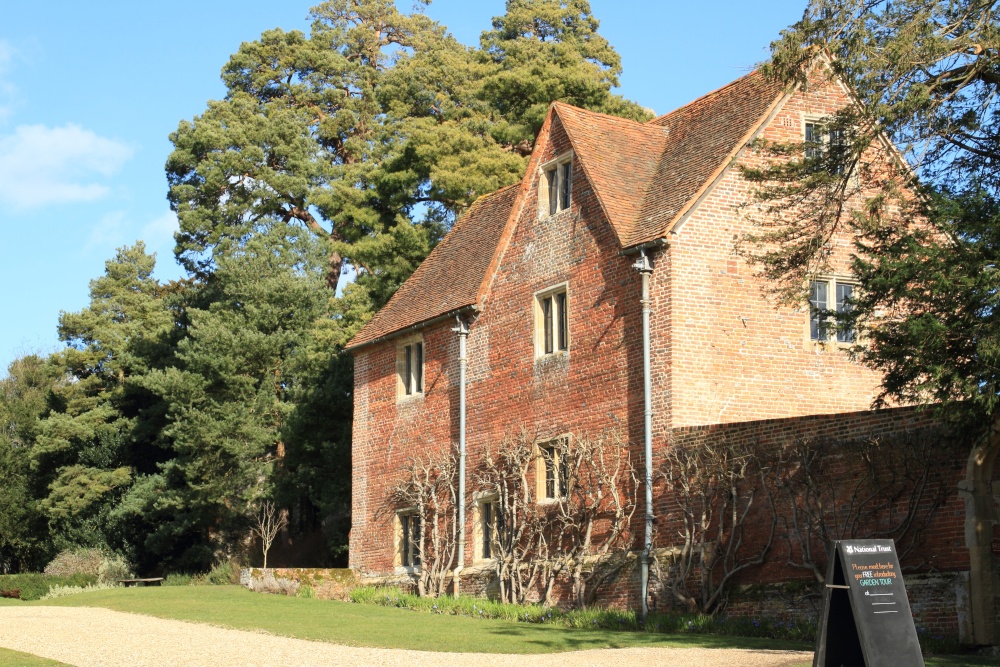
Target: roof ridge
(655, 121)
(589, 112)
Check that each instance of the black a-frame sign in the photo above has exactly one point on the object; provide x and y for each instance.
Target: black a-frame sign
(866, 619)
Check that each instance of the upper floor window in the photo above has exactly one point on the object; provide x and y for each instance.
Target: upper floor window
(557, 185)
(410, 367)
(551, 321)
(553, 469)
(826, 296)
(826, 146)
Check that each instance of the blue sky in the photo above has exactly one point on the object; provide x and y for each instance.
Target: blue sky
(89, 93)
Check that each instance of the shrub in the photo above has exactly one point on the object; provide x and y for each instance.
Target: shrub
(226, 572)
(267, 583)
(106, 567)
(34, 586)
(177, 580)
(75, 561)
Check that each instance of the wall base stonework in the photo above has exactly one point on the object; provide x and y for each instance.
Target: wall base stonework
(325, 583)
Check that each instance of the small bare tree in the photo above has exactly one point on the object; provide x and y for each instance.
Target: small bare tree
(268, 523)
(715, 486)
(590, 524)
(430, 487)
(520, 540)
(857, 490)
(581, 534)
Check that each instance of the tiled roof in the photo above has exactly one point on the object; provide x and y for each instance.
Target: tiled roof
(619, 158)
(450, 277)
(646, 175)
(703, 136)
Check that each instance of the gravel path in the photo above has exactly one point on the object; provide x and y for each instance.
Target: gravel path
(88, 636)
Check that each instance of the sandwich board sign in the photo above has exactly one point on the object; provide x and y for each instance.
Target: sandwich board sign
(866, 619)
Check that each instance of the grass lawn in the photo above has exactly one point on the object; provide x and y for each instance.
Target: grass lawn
(17, 659)
(354, 624)
(372, 625)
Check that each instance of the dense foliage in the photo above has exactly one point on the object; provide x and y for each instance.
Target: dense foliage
(335, 162)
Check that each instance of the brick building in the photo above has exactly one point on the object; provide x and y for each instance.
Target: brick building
(543, 276)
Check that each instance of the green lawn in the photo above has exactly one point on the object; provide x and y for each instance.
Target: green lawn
(371, 625)
(16, 659)
(353, 624)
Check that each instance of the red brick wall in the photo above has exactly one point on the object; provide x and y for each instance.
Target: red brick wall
(736, 355)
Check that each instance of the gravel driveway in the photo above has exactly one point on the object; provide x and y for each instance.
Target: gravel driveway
(88, 636)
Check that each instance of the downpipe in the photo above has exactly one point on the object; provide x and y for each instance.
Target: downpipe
(645, 267)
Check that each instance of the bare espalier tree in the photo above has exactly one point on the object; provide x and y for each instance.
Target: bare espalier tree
(429, 489)
(716, 486)
(588, 525)
(859, 490)
(520, 545)
(268, 523)
(580, 534)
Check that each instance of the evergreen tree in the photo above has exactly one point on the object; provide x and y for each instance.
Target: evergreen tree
(24, 394)
(99, 431)
(228, 395)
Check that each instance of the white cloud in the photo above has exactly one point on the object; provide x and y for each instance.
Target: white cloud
(42, 165)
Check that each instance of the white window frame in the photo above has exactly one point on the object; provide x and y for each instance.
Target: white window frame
(828, 332)
(411, 363)
(555, 186)
(552, 330)
(822, 124)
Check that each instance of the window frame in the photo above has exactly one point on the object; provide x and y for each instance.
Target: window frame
(407, 531)
(551, 469)
(557, 177)
(552, 331)
(827, 330)
(485, 534)
(828, 142)
(411, 365)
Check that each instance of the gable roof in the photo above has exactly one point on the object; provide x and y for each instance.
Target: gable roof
(449, 279)
(705, 136)
(619, 158)
(645, 175)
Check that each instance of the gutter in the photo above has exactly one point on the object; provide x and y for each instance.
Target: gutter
(640, 249)
(413, 327)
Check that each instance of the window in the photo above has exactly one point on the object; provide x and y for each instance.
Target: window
(557, 182)
(410, 368)
(487, 530)
(829, 145)
(553, 469)
(551, 322)
(409, 539)
(821, 324)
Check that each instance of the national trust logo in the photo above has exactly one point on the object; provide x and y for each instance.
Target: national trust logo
(849, 549)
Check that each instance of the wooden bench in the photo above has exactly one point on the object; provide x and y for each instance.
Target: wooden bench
(149, 581)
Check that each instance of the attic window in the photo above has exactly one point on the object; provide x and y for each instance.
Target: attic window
(557, 182)
(826, 147)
